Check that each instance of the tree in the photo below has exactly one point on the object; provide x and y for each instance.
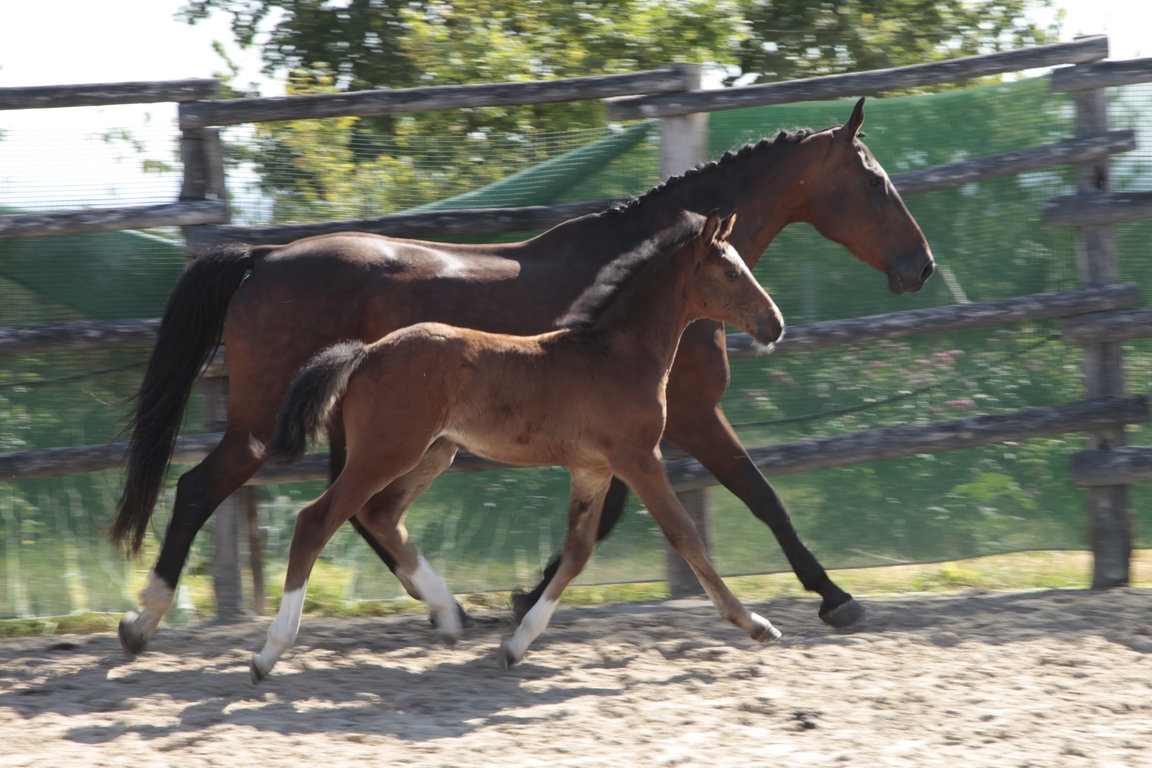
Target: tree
(327, 45)
(405, 43)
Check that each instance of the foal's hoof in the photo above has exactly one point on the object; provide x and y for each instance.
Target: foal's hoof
(844, 615)
(132, 640)
(257, 673)
(763, 631)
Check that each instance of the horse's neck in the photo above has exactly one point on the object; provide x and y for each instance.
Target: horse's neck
(766, 190)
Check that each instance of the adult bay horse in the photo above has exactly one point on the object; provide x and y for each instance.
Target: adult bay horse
(590, 397)
(276, 306)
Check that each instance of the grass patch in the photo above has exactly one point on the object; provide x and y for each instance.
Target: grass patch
(1018, 571)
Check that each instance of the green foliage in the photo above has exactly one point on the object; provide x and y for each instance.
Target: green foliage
(369, 44)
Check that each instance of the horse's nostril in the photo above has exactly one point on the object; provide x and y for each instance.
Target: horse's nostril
(929, 268)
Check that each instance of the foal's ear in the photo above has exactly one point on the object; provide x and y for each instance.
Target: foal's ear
(849, 130)
(726, 227)
(712, 225)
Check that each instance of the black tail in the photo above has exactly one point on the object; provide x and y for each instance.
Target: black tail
(311, 398)
(189, 334)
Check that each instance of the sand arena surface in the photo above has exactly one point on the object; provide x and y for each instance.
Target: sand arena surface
(1057, 678)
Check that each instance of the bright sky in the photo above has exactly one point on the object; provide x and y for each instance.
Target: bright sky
(57, 42)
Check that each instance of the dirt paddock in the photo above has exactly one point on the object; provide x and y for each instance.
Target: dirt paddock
(1059, 678)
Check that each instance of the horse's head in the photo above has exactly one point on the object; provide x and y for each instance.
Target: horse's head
(727, 290)
(853, 202)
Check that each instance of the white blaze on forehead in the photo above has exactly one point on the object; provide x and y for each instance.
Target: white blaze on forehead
(733, 256)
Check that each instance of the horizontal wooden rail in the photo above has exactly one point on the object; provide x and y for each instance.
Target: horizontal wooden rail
(910, 440)
(56, 462)
(78, 335)
(1078, 150)
(82, 335)
(858, 330)
(1097, 209)
(836, 86)
(385, 102)
(686, 474)
(181, 214)
(1104, 327)
(1102, 74)
(1117, 466)
(103, 94)
(431, 224)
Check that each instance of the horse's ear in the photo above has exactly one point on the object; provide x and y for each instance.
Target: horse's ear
(726, 226)
(849, 130)
(712, 226)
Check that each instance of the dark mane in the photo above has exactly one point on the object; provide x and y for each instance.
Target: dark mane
(784, 138)
(616, 274)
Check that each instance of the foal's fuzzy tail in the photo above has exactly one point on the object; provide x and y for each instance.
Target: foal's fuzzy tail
(311, 398)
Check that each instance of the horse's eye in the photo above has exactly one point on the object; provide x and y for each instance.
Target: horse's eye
(875, 181)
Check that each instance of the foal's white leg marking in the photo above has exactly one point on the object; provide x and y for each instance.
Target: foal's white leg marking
(762, 630)
(435, 594)
(533, 623)
(281, 634)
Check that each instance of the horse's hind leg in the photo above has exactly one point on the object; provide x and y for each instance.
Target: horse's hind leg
(649, 482)
(199, 492)
(587, 499)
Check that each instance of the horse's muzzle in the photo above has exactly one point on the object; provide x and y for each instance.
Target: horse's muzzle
(911, 274)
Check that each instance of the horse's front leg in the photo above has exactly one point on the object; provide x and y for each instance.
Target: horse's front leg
(706, 435)
(648, 480)
(586, 500)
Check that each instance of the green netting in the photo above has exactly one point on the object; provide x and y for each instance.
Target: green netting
(494, 530)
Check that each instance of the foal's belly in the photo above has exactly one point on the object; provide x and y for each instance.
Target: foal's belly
(515, 444)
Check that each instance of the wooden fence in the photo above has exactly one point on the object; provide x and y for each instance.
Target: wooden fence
(1100, 314)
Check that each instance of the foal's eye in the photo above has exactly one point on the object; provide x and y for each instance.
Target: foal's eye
(732, 274)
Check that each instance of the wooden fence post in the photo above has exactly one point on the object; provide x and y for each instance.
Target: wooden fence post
(1103, 364)
(683, 145)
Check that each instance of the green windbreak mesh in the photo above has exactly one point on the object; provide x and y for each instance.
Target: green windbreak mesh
(495, 530)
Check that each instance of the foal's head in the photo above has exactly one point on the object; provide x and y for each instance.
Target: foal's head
(723, 288)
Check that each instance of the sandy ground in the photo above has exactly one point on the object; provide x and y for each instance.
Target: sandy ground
(1046, 679)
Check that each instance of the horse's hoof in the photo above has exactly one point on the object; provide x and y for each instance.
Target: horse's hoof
(258, 674)
(763, 631)
(507, 658)
(522, 602)
(844, 615)
(465, 619)
(132, 640)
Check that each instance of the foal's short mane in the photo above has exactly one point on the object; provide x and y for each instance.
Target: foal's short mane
(782, 139)
(616, 274)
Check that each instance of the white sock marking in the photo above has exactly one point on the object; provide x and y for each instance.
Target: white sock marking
(439, 600)
(284, 628)
(533, 623)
